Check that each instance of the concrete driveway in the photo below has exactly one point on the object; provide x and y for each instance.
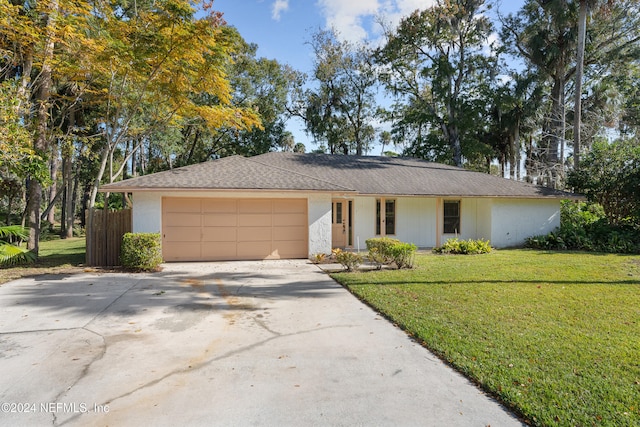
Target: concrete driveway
(234, 343)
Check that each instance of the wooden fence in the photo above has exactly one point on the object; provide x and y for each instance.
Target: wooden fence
(104, 236)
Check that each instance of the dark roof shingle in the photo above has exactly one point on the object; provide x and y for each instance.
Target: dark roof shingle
(337, 173)
(235, 172)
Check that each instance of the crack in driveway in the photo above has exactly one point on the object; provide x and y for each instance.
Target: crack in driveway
(205, 363)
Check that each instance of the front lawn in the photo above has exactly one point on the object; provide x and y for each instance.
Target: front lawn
(555, 336)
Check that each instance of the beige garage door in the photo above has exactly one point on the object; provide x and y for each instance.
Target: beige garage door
(230, 229)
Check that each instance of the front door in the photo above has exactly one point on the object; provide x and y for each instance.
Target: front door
(339, 224)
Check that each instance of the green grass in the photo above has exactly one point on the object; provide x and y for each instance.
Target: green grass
(555, 336)
(61, 252)
(57, 255)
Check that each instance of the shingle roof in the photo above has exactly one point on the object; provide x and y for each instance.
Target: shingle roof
(228, 173)
(337, 173)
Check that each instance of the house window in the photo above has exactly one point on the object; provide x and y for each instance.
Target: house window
(337, 214)
(385, 217)
(451, 216)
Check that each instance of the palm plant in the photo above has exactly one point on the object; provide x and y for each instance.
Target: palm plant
(10, 253)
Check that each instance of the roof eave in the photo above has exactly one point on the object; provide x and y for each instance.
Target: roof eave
(116, 189)
(576, 197)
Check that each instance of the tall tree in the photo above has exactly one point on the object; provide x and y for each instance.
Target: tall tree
(342, 109)
(435, 60)
(158, 58)
(545, 34)
(256, 83)
(37, 39)
(513, 115)
(577, 108)
(17, 156)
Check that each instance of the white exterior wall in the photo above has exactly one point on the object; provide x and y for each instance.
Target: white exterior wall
(513, 220)
(319, 206)
(416, 220)
(483, 219)
(468, 219)
(147, 212)
(364, 221)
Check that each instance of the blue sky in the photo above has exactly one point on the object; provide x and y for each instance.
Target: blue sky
(281, 28)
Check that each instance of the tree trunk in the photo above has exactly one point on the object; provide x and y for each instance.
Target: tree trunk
(27, 67)
(134, 160)
(456, 147)
(555, 123)
(66, 229)
(34, 196)
(68, 211)
(514, 148)
(582, 30)
(452, 135)
(86, 195)
(53, 190)
(9, 208)
(554, 131)
(106, 154)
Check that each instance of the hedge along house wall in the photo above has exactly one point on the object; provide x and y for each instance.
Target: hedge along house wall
(104, 236)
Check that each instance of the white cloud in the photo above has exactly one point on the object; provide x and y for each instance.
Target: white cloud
(278, 7)
(492, 42)
(353, 18)
(395, 10)
(347, 16)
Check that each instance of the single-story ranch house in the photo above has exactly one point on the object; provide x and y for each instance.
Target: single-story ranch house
(287, 205)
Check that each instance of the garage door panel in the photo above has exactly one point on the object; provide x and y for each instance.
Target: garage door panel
(253, 220)
(253, 206)
(220, 220)
(292, 249)
(219, 234)
(254, 250)
(220, 206)
(181, 205)
(176, 219)
(183, 234)
(257, 234)
(290, 206)
(219, 250)
(289, 219)
(289, 233)
(181, 251)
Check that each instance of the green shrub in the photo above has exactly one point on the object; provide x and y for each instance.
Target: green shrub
(141, 251)
(403, 254)
(380, 250)
(349, 260)
(375, 257)
(386, 250)
(464, 247)
(585, 227)
(579, 213)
